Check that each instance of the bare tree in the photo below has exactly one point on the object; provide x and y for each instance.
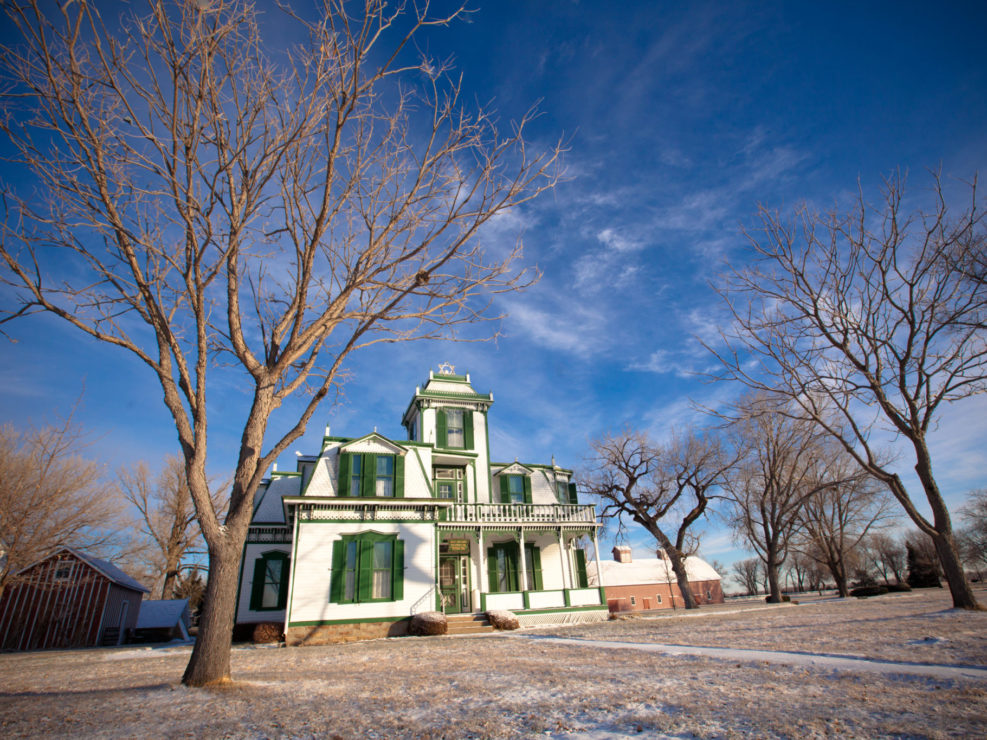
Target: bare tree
(885, 555)
(866, 323)
(51, 496)
(835, 520)
(747, 573)
(213, 203)
(168, 520)
(665, 489)
(784, 461)
(805, 572)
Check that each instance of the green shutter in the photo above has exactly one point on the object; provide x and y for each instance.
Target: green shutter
(533, 554)
(365, 569)
(336, 579)
(368, 477)
(468, 430)
(283, 585)
(441, 434)
(397, 574)
(257, 589)
(527, 490)
(582, 580)
(505, 491)
(343, 487)
(492, 570)
(513, 561)
(399, 476)
(573, 496)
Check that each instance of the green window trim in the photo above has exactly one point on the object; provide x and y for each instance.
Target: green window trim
(573, 494)
(505, 488)
(503, 566)
(359, 474)
(271, 568)
(442, 429)
(358, 569)
(582, 579)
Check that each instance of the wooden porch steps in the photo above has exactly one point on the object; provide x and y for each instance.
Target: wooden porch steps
(468, 624)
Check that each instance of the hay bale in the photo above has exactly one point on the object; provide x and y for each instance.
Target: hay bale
(428, 623)
(503, 620)
(266, 632)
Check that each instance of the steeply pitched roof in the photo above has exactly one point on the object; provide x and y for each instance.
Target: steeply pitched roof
(109, 570)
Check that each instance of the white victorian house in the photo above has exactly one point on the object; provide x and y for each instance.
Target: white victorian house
(372, 530)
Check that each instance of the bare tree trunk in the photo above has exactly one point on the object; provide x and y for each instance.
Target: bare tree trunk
(682, 578)
(771, 573)
(952, 570)
(210, 661)
(942, 535)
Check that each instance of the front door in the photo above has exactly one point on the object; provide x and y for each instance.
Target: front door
(454, 583)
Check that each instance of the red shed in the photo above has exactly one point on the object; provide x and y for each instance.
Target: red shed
(69, 600)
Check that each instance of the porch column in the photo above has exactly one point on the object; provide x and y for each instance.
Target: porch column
(564, 558)
(481, 562)
(599, 570)
(523, 577)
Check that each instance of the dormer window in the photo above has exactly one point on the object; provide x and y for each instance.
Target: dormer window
(371, 475)
(515, 489)
(356, 475)
(385, 476)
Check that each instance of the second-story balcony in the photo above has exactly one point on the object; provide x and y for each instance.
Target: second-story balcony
(318, 508)
(518, 514)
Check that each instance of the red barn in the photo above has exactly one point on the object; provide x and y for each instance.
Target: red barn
(69, 600)
(649, 583)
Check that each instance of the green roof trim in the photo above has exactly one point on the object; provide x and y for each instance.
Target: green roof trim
(539, 466)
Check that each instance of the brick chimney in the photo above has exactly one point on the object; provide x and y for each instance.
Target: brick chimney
(622, 553)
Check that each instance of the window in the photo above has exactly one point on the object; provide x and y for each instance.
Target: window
(356, 475)
(385, 476)
(503, 566)
(371, 475)
(515, 489)
(413, 430)
(634, 601)
(270, 585)
(562, 491)
(367, 567)
(454, 429)
(449, 483)
(565, 492)
(658, 598)
(63, 572)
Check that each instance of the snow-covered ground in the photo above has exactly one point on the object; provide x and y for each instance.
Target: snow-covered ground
(841, 682)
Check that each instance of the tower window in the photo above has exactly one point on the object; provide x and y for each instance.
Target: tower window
(455, 436)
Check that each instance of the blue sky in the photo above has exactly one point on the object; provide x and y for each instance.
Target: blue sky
(680, 118)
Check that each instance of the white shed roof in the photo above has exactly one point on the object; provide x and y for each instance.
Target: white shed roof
(649, 570)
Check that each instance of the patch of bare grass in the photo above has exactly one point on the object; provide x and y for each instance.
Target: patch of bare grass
(490, 688)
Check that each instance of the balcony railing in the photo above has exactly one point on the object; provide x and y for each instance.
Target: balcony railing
(518, 513)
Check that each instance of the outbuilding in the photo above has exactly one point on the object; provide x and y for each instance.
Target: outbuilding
(650, 583)
(69, 599)
(163, 620)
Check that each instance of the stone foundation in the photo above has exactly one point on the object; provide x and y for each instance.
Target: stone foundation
(325, 634)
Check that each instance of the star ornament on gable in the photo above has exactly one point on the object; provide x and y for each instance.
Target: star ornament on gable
(446, 369)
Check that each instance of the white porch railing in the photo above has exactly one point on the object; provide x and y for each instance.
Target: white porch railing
(514, 513)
